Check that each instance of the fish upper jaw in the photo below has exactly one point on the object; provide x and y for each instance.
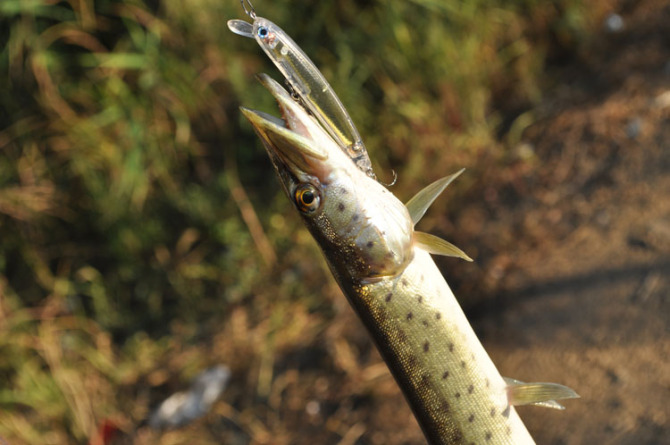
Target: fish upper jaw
(296, 142)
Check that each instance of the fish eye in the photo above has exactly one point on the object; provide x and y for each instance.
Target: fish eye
(307, 198)
(262, 32)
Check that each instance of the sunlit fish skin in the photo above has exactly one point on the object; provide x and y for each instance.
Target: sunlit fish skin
(385, 269)
(308, 83)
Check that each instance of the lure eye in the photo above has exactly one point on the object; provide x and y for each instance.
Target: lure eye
(262, 32)
(307, 198)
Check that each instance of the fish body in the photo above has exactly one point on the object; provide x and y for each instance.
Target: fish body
(456, 392)
(385, 270)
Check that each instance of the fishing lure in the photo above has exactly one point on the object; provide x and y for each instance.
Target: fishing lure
(307, 82)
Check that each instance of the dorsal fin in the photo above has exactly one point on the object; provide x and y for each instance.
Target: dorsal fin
(418, 205)
(438, 246)
(538, 393)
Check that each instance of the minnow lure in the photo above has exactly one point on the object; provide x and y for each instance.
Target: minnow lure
(307, 82)
(385, 269)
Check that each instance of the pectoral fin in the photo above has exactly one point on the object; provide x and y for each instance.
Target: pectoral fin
(438, 246)
(418, 205)
(538, 393)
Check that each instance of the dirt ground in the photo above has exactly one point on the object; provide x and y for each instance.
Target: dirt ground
(584, 299)
(581, 275)
(586, 303)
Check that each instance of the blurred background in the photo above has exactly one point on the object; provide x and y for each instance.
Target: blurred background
(144, 238)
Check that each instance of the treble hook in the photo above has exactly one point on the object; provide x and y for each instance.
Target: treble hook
(250, 11)
(395, 179)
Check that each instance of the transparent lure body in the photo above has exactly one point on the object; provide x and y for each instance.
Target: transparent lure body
(307, 82)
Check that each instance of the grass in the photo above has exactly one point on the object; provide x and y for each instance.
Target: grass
(143, 234)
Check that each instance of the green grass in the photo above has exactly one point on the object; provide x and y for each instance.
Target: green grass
(143, 233)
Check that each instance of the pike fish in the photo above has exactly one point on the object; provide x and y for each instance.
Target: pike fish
(385, 269)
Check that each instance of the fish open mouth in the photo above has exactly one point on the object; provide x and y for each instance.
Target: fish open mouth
(296, 139)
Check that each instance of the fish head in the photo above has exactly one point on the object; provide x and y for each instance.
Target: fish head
(363, 229)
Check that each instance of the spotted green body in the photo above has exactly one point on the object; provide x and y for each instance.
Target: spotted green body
(383, 267)
(453, 387)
